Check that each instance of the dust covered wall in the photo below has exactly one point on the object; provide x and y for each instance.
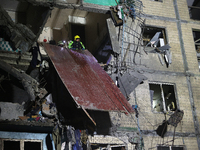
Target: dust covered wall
(57, 35)
(95, 30)
(47, 34)
(65, 32)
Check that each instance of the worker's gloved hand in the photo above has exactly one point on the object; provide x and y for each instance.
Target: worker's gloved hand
(83, 49)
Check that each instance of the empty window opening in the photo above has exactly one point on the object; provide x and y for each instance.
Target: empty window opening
(150, 32)
(32, 145)
(162, 97)
(8, 145)
(196, 35)
(194, 9)
(170, 148)
(15, 144)
(158, 0)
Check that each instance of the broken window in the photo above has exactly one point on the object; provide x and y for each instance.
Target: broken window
(21, 144)
(154, 40)
(196, 35)
(150, 32)
(194, 9)
(163, 97)
(170, 148)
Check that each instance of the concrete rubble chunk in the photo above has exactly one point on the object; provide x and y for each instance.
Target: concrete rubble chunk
(19, 32)
(10, 111)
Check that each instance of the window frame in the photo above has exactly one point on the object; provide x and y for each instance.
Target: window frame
(196, 50)
(162, 94)
(22, 141)
(194, 7)
(176, 146)
(25, 136)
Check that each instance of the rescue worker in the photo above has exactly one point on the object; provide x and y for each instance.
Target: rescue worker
(76, 44)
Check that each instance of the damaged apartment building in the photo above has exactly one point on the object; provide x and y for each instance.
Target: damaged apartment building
(135, 86)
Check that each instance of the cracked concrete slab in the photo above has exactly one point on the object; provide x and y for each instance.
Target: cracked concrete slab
(10, 111)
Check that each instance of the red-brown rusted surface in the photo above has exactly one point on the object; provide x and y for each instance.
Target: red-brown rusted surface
(89, 85)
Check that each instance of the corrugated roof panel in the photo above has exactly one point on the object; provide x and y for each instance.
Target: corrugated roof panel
(89, 85)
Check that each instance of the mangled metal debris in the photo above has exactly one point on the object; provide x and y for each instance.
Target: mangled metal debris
(128, 81)
(89, 85)
(173, 120)
(160, 48)
(123, 10)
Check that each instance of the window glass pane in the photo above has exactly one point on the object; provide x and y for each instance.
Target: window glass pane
(169, 95)
(11, 145)
(32, 145)
(157, 102)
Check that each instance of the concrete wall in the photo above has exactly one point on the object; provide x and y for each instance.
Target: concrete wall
(95, 30)
(173, 16)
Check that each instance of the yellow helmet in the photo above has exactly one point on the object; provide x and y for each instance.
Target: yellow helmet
(76, 37)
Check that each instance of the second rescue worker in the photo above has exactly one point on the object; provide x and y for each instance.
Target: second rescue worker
(76, 44)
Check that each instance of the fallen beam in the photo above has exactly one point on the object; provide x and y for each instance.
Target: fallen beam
(29, 84)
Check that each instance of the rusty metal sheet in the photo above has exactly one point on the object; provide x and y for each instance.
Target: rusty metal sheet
(89, 85)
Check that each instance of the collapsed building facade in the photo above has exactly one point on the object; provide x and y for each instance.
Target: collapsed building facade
(135, 87)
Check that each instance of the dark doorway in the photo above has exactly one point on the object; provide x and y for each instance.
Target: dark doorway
(78, 30)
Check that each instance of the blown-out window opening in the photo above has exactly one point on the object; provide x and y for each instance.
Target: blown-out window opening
(194, 9)
(196, 36)
(150, 32)
(163, 97)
